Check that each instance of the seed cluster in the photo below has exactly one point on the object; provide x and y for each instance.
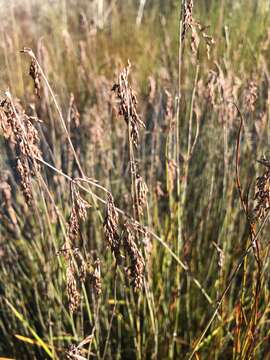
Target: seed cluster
(76, 267)
(128, 104)
(35, 75)
(94, 277)
(73, 293)
(23, 141)
(111, 229)
(136, 268)
(187, 17)
(78, 212)
(262, 195)
(142, 190)
(197, 29)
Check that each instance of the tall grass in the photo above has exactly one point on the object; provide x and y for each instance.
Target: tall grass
(134, 212)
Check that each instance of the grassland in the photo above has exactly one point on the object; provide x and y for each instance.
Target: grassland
(133, 208)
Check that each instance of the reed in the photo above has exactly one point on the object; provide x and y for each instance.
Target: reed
(134, 195)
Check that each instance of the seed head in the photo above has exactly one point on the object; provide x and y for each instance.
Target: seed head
(110, 226)
(35, 75)
(262, 195)
(128, 104)
(136, 268)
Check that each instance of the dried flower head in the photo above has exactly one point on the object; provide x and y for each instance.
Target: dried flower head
(72, 286)
(262, 195)
(76, 266)
(35, 75)
(110, 226)
(34, 71)
(136, 268)
(187, 17)
(95, 278)
(24, 140)
(128, 104)
(197, 30)
(141, 190)
(76, 272)
(78, 212)
(209, 40)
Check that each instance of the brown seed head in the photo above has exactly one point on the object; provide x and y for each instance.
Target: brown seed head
(35, 75)
(110, 227)
(128, 104)
(262, 195)
(142, 190)
(78, 212)
(72, 287)
(95, 279)
(136, 269)
(24, 140)
(187, 17)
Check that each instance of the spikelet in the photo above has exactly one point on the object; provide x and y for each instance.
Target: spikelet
(142, 190)
(78, 212)
(95, 279)
(136, 268)
(110, 227)
(262, 195)
(128, 104)
(34, 71)
(24, 139)
(187, 17)
(76, 266)
(72, 286)
(197, 30)
(35, 75)
(76, 272)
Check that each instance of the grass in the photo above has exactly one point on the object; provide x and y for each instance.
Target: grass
(128, 241)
